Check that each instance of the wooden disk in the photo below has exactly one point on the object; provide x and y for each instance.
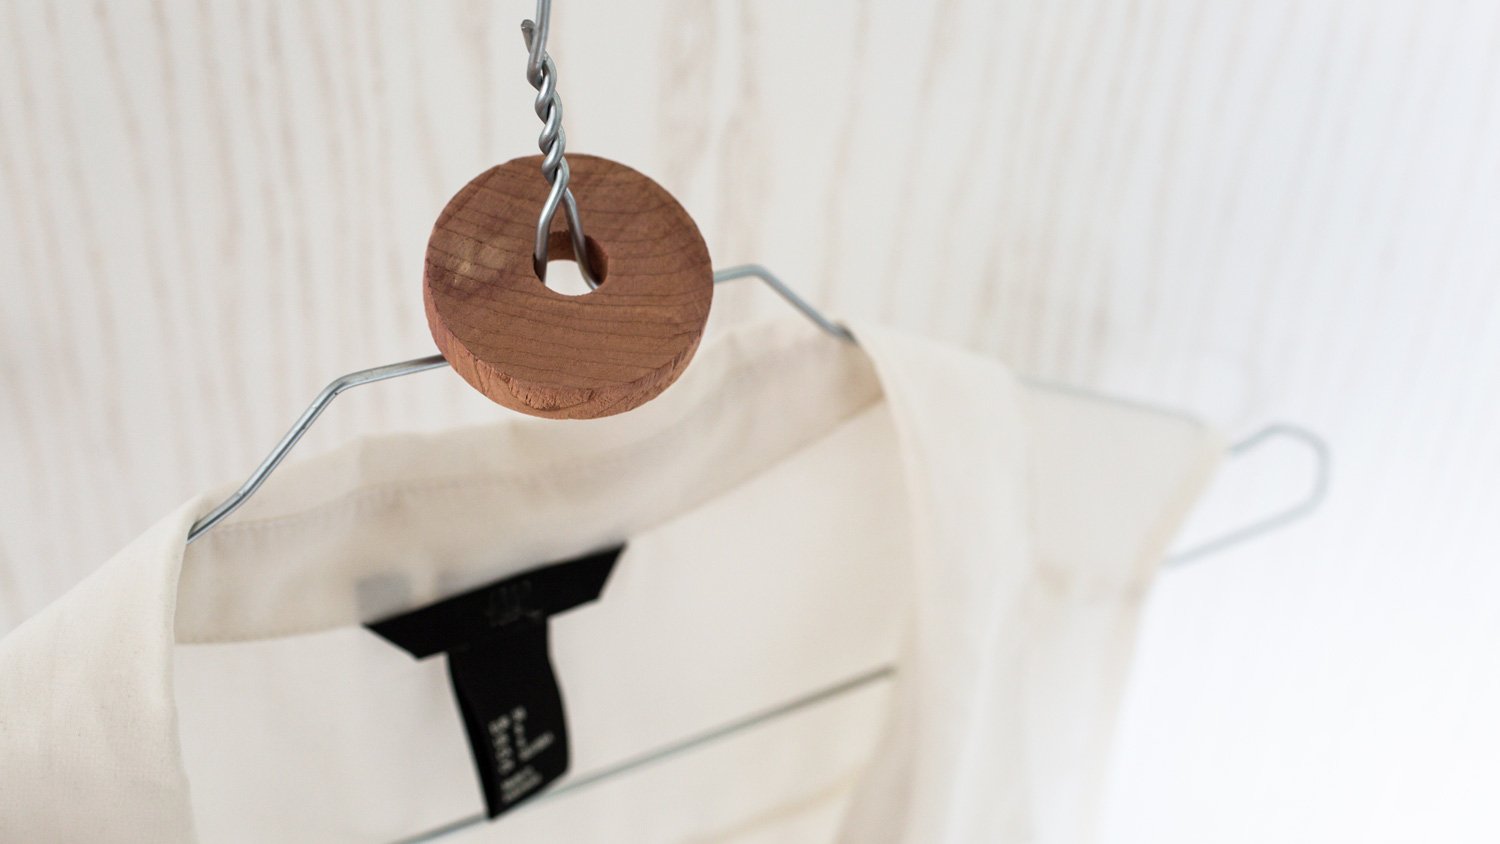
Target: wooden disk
(541, 352)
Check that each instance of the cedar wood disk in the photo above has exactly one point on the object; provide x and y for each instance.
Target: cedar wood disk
(538, 351)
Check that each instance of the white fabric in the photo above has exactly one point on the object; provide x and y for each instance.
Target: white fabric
(797, 512)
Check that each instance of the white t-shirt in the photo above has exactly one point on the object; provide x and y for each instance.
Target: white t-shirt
(797, 511)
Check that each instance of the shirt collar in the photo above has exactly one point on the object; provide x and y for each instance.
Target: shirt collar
(88, 693)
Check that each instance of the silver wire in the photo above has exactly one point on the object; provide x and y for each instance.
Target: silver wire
(786, 292)
(1322, 457)
(1309, 503)
(681, 746)
(541, 72)
(396, 370)
(305, 421)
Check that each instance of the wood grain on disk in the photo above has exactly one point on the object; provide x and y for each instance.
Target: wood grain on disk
(541, 352)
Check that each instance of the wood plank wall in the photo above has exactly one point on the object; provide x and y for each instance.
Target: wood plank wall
(1251, 209)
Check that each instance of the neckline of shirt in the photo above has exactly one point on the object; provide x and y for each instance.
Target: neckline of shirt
(446, 512)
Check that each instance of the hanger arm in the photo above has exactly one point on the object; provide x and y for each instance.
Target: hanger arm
(1323, 460)
(787, 293)
(411, 367)
(1307, 505)
(305, 421)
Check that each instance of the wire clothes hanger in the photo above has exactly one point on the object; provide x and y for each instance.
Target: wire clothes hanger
(1305, 506)
(541, 72)
(411, 367)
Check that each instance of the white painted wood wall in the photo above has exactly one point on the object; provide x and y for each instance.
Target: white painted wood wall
(1252, 209)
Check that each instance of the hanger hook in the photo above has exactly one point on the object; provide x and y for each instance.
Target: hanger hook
(541, 72)
(537, 43)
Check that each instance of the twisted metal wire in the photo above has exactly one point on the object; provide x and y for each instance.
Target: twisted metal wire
(542, 74)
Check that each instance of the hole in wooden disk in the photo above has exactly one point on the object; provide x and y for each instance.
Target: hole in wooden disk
(563, 274)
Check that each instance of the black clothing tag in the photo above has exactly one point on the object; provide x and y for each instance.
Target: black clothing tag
(513, 713)
(488, 610)
(501, 668)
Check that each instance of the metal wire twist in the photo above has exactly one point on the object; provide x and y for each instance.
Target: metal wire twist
(542, 74)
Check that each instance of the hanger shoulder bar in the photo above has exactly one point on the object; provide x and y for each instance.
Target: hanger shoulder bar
(411, 367)
(787, 293)
(1322, 476)
(305, 421)
(1306, 506)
